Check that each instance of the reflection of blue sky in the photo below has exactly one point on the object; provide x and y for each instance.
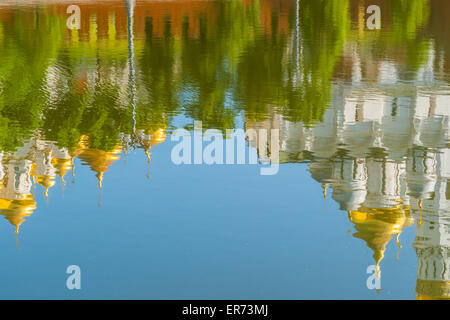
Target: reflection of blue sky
(180, 121)
(189, 94)
(195, 232)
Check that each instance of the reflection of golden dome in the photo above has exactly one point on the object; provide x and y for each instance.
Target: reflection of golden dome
(47, 181)
(84, 141)
(16, 210)
(432, 290)
(97, 159)
(62, 166)
(377, 226)
(159, 136)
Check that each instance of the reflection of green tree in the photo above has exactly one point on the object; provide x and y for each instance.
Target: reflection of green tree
(28, 50)
(96, 114)
(324, 26)
(105, 119)
(209, 62)
(296, 81)
(29, 44)
(195, 75)
(159, 80)
(232, 66)
(95, 111)
(410, 17)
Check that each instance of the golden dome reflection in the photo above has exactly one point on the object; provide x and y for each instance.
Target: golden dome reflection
(378, 226)
(39, 162)
(62, 166)
(16, 210)
(46, 181)
(98, 160)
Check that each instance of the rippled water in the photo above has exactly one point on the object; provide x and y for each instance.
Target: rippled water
(355, 122)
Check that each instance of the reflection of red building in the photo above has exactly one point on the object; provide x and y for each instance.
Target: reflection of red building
(167, 17)
(172, 17)
(174, 14)
(275, 15)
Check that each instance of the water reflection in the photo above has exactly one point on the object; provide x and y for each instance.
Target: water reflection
(367, 111)
(385, 168)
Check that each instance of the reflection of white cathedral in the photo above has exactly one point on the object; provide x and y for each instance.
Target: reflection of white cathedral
(383, 149)
(376, 150)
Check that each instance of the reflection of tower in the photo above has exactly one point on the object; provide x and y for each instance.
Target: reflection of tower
(297, 47)
(432, 242)
(132, 76)
(151, 139)
(148, 140)
(432, 247)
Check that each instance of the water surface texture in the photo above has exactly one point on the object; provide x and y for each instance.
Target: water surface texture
(358, 120)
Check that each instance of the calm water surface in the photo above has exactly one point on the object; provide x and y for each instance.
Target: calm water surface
(361, 119)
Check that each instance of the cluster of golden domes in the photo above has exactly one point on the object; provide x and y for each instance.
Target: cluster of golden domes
(19, 206)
